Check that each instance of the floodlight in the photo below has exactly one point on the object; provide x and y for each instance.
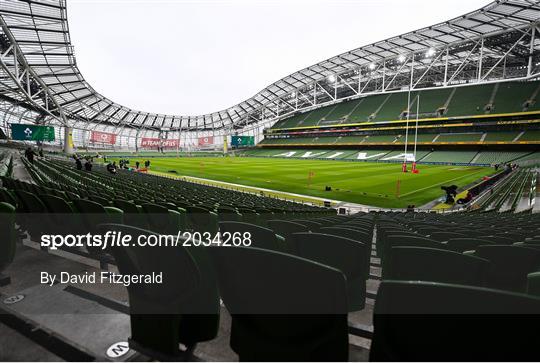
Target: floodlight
(331, 78)
(401, 58)
(430, 52)
(372, 66)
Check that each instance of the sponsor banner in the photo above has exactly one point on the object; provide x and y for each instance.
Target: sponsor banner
(240, 141)
(206, 141)
(155, 143)
(170, 143)
(150, 143)
(32, 132)
(103, 137)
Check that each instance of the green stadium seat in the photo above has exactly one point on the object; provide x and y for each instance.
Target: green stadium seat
(286, 229)
(445, 236)
(250, 216)
(312, 225)
(163, 220)
(349, 232)
(429, 264)
(283, 308)
(261, 237)
(60, 218)
(202, 220)
(7, 196)
(403, 241)
(354, 234)
(500, 240)
(72, 196)
(510, 265)
(533, 284)
(101, 200)
(133, 214)
(173, 312)
(465, 244)
(344, 254)
(427, 321)
(8, 239)
(94, 214)
(228, 214)
(529, 244)
(56, 204)
(29, 202)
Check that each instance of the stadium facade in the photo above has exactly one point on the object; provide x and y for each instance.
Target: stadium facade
(41, 83)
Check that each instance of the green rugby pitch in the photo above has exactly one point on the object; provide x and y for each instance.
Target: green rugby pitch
(373, 184)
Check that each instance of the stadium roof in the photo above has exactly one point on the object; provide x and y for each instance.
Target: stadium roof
(46, 77)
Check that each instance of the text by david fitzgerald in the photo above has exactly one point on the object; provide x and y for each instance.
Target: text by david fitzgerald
(104, 277)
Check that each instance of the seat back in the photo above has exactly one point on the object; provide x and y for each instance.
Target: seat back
(419, 321)
(465, 244)
(161, 219)
(7, 196)
(61, 217)
(429, 264)
(132, 215)
(93, 214)
(354, 234)
(260, 237)
(9, 235)
(283, 307)
(30, 203)
(286, 228)
(348, 232)
(445, 236)
(101, 200)
(403, 241)
(312, 225)
(158, 310)
(347, 255)
(88, 206)
(201, 219)
(510, 265)
(228, 214)
(56, 204)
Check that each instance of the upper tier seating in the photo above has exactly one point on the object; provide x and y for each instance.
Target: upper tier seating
(463, 101)
(468, 137)
(450, 157)
(501, 136)
(532, 135)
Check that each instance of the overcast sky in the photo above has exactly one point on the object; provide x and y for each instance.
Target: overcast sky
(189, 57)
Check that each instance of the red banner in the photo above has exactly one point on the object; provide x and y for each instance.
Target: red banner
(155, 143)
(150, 143)
(103, 138)
(170, 143)
(206, 141)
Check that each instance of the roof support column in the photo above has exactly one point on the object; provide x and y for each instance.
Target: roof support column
(481, 60)
(531, 50)
(68, 140)
(446, 66)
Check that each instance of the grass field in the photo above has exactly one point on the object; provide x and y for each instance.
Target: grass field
(372, 184)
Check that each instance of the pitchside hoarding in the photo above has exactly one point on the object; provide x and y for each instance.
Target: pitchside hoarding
(103, 138)
(32, 132)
